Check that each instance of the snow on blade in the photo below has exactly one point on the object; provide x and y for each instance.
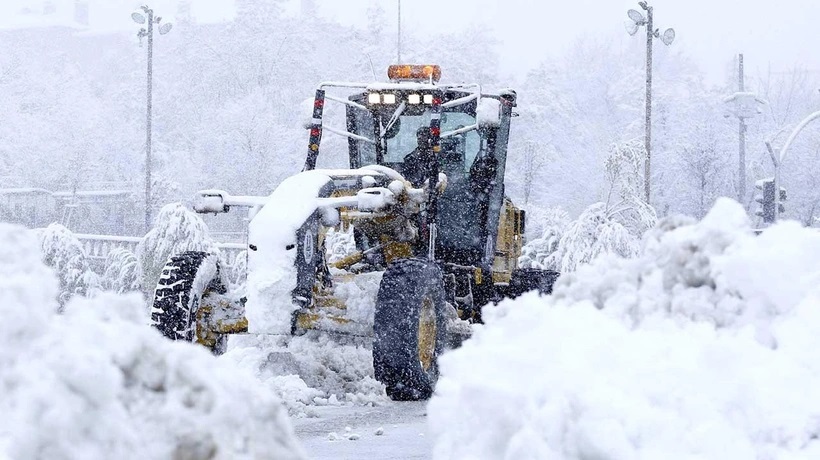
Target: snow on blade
(271, 266)
(702, 346)
(96, 382)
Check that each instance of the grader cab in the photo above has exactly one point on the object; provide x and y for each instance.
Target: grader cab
(423, 202)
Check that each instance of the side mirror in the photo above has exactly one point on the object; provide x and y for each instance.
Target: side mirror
(211, 201)
(488, 113)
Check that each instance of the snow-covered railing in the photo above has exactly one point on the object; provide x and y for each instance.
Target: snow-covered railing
(99, 246)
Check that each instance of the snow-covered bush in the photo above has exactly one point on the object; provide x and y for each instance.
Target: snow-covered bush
(64, 253)
(538, 252)
(702, 346)
(121, 271)
(97, 383)
(177, 229)
(611, 227)
(591, 235)
(236, 268)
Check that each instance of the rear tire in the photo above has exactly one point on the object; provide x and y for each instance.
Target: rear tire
(409, 329)
(185, 280)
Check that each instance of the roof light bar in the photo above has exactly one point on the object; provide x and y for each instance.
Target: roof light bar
(414, 72)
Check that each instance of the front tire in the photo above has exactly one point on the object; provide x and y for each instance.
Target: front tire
(409, 329)
(186, 279)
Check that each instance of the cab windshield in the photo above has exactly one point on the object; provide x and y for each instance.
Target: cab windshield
(401, 139)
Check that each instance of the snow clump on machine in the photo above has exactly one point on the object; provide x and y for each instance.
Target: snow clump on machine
(96, 382)
(702, 346)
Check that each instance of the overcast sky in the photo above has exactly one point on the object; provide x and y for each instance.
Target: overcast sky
(781, 33)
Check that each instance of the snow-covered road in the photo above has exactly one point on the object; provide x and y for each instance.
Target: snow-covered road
(393, 431)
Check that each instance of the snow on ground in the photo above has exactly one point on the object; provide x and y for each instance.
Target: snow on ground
(704, 346)
(96, 382)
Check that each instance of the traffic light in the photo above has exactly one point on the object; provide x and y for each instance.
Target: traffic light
(766, 200)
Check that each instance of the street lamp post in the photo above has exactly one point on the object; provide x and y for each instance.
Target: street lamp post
(778, 159)
(636, 19)
(148, 32)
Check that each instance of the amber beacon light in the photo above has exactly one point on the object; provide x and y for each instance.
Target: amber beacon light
(414, 72)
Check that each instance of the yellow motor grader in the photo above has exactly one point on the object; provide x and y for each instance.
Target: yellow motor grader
(423, 203)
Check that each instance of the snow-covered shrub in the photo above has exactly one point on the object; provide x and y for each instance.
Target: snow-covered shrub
(591, 235)
(177, 229)
(97, 383)
(612, 227)
(538, 252)
(702, 346)
(64, 253)
(236, 268)
(121, 271)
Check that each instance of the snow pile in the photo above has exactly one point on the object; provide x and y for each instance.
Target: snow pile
(359, 296)
(310, 370)
(96, 383)
(703, 346)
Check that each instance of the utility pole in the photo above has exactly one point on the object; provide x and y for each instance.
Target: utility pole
(741, 171)
(650, 33)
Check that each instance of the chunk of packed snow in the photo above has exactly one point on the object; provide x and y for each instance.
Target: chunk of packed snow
(310, 370)
(95, 382)
(703, 346)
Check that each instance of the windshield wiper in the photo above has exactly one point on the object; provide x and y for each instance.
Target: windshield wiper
(395, 117)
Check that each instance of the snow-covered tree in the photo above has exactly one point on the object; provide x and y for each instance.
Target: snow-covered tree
(63, 252)
(539, 252)
(593, 234)
(177, 229)
(121, 271)
(625, 201)
(614, 226)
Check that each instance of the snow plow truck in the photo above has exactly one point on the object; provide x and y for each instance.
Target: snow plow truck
(423, 204)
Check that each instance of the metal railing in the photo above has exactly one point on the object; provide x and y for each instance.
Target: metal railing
(98, 247)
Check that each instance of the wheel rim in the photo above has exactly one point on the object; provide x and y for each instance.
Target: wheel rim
(427, 334)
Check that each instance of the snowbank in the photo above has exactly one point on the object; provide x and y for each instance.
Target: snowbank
(96, 382)
(700, 347)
